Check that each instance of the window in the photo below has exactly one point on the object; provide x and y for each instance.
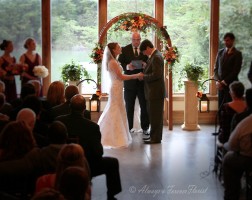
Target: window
(235, 16)
(18, 21)
(188, 24)
(74, 34)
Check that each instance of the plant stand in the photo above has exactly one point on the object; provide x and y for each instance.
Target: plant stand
(191, 107)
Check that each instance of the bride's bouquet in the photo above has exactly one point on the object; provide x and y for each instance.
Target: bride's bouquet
(40, 71)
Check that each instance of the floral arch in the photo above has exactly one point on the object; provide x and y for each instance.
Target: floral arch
(140, 22)
(128, 22)
(135, 22)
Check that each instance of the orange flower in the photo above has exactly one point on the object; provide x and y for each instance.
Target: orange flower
(97, 53)
(199, 94)
(171, 55)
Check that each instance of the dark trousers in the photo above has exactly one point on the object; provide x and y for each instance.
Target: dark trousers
(234, 165)
(110, 167)
(130, 98)
(223, 96)
(155, 109)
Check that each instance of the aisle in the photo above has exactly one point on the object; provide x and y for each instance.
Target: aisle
(177, 169)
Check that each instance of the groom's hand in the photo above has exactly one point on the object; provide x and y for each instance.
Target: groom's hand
(140, 76)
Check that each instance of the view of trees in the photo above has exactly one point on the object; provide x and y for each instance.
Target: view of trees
(188, 23)
(235, 16)
(75, 28)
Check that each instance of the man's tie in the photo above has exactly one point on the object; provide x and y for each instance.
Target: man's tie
(136, 52)
(226, 55)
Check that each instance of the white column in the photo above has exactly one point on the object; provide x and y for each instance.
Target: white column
(191, 107)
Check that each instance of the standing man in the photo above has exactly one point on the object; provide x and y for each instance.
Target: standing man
(154, 89)
(227, 67)
(132, 61)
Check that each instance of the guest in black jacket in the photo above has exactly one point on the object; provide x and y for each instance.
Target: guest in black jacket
(64, 108)
(89, 136)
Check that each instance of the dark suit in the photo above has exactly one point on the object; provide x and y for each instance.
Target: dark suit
(133, 88)
(227, 67)
(19, 176)
(64, 109)
(154, 88)
(89, 136)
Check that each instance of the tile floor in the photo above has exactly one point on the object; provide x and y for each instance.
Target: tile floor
(180, 168)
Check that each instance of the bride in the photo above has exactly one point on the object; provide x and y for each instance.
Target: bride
(113, 121)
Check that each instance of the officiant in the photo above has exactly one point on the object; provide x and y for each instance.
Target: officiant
(133, 61)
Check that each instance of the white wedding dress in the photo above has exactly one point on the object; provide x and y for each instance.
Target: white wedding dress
(113, 121)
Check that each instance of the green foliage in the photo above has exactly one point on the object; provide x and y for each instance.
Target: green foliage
(73, 72)
(193, 73)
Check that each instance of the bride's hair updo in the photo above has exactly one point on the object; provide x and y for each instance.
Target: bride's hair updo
(111, 47)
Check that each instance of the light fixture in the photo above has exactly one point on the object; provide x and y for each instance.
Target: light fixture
(204, 104)
(94, 103)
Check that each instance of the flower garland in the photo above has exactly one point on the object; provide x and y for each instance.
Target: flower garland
(134, 22)
(97, 53)
(171, 55)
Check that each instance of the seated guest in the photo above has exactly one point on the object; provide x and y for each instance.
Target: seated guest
(54, 97)
(57, 136)
(238, 159)
(240, 116)
(237, 105)
(37, 86)
(16, 140)
(29, 117)
(55, 93)
(2, 87)
(48, 194)
(75, 184)
(89, 136)
(5, 107)
(17, 176)
(64, 108)
(26, 89)
(69, 155)
(33, 102)
(19, 159)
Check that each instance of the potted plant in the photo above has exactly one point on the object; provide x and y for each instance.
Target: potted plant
(192, 72)
(73, 72)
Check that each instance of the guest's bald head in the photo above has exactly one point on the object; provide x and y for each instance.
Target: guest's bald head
(70, 91)
(2, 86)
(78, 103)
(2, 99)
(28, 116)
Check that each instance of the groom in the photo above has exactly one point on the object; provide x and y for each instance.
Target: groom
(154, 89)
